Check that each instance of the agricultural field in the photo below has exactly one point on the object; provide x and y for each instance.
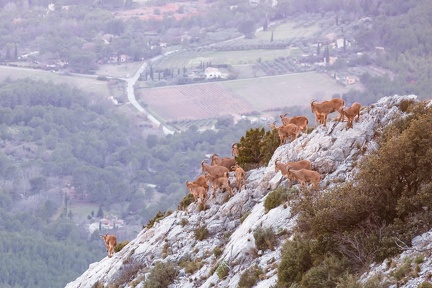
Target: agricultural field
(192, 59)
(192, 102)
(304, 28)
(253, 96)
(85, 82)
(297, 89)
(242, 62)
(179, 10)
(122, 70)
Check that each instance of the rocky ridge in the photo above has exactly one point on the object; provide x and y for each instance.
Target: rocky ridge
(334, 152)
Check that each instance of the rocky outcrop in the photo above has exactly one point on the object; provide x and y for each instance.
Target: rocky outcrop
(334, 151)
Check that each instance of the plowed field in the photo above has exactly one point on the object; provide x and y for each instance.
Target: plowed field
(194, 102)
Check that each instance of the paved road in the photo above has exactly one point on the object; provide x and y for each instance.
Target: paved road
(131, 96)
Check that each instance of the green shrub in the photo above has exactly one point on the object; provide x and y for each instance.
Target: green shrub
(309, 130)
(326, 274)
(97, 284)
(419, 259)
(348, 281)
(162, 275)
(184, 222)
(402, 271)
(258, 147)
(425, 285)
(222, 270)
(250, 277)
(217, 252)
(120, 246)
(265, 238)
(201, 207)
(191, 266)
(127, 273)
(295, 261)
(186, 201)
(159, 216)
(244, 216)
(275, 198)
(376, 282)
(201, 233)
(405, 105)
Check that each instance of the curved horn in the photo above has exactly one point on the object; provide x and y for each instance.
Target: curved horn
(234, 144)
(203, 161)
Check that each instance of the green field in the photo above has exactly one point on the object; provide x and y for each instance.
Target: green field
(84, 82)
(193, 59)
(240, 57)
(123, 70)
(290, 30)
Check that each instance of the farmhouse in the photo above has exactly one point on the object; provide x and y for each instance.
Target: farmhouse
(110, 223)
(349, 80)
(211, 72)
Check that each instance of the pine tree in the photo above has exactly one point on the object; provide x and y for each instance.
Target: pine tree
(249, 154)
(269, 144)
(100, 213)
(257, 148)
(327, 55)
(8, 56)
(151, 72)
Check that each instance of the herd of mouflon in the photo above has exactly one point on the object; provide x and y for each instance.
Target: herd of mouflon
(216, 175)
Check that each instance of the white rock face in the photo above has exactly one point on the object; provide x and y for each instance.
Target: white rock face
(333, 150)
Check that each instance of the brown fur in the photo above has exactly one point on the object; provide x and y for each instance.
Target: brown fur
(197, 191)
(297, 165)
(305, 176)
(327, 107)
(300, 121)
(216, 171)
(351, 112)
(285, 131)
(225, 162)
(240, 176)
(222, 183)
(110, 243)
(202, 181)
